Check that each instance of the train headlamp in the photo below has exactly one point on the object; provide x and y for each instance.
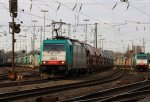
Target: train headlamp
(44, 62)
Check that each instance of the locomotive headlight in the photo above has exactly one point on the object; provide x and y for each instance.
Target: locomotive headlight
(62, 62)
(44, 62)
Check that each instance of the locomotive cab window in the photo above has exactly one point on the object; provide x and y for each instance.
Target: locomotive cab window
(48, 47)
(141, 57)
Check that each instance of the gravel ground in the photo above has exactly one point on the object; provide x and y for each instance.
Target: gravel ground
(87, 90)
(17, 69)
(133, 76)
(147, 99)
(55, 82)
(27, 73)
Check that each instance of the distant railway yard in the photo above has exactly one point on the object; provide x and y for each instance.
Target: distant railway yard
(68, 70)
(111, 85)
(74, 51)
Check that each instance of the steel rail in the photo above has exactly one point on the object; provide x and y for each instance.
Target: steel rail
(48, 90)
(11, 84)
(104, 94)
(127, 96)
(3, 76)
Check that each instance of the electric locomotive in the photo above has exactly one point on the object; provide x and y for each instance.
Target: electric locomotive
(141, 61)
(62, 56)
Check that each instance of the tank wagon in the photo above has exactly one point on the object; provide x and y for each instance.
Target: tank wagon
(64, 56)
(138, 62)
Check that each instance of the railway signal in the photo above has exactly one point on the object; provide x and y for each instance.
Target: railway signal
(124, 0)
(16, 27)
(13, 9)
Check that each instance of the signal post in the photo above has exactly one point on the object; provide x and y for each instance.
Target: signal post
(13, 8)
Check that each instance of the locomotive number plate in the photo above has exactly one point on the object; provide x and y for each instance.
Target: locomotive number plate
(53, 58)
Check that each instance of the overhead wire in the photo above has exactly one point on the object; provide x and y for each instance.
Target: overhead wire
(77, 11)
(103, 4)
(58, 3)
(140, 10)
(30, 14)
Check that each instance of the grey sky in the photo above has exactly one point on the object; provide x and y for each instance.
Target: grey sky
(117, 26)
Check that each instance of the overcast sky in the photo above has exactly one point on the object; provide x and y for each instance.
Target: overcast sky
(119, 23)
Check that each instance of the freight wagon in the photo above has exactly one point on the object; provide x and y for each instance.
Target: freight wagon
(31, 61)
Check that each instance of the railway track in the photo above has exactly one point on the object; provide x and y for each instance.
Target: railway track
(3, 76)
(4, 73)
(25, 74)
(49, 90)
(128, 96)
(145, 74)
(130, 92)
(12, 84)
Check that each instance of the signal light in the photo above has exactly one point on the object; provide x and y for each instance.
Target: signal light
(62, 62)
(13, 6)
(23, 51)
(124, 0)
(44, 62)
(16, 27)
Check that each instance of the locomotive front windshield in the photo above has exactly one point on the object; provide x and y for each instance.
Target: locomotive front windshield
(141, 57)
(48, 47)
